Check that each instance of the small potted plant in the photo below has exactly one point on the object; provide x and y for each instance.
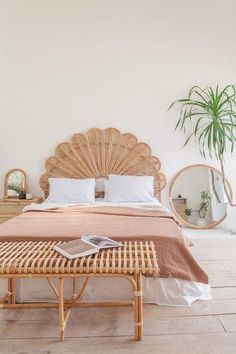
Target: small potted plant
(209, 116)
(202, 210)
(13, 189)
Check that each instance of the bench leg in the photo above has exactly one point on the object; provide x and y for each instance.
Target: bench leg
(61, 309)
(138, 308)
(12, 290)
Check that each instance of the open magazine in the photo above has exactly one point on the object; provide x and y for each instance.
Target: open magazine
(87, 245)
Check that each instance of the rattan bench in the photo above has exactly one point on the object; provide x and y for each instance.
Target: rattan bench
(39, 260)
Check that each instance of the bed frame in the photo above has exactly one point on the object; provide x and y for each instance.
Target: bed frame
(98, 153)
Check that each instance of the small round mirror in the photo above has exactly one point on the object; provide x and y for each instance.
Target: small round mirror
(197, 196)
(15, 183)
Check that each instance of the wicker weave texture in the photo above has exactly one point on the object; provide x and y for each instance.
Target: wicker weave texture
(101, 152)
(41, 258)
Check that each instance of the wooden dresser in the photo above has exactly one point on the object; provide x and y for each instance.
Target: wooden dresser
(12, 207)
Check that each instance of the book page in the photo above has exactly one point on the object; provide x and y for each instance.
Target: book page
(100, 241)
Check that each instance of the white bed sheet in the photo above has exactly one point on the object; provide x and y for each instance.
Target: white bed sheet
(99, 202)
(161, 291)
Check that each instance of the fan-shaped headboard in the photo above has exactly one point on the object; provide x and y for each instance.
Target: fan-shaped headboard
(101, 152)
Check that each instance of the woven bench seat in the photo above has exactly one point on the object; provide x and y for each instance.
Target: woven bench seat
(39, 257)
(40, 260)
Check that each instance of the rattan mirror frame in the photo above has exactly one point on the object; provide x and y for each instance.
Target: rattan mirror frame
(184, 222)
(6, 182)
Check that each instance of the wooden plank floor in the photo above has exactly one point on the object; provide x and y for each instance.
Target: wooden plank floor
(206, 327)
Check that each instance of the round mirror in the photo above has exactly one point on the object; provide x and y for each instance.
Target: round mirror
(197, 196)
(15, 183)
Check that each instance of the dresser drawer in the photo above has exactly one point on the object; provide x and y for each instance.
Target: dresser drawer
(4, 218)
(11, 208)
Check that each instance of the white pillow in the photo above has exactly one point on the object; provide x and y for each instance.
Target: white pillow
(129, 189)
(71, 191)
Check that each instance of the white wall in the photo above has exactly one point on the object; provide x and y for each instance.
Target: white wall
(69, 65)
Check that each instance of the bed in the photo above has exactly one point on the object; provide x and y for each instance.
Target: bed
(97, 154)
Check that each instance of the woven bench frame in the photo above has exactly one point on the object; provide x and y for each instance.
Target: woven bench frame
(39, 260)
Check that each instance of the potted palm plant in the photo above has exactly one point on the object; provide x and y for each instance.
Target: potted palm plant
(209, 116)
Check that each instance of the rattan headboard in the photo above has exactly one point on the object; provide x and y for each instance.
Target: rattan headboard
(98, 153)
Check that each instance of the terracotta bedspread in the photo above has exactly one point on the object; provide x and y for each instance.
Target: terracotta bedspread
(121, 223)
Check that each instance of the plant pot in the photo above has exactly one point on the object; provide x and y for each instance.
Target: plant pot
(12, 193)
(231, 218)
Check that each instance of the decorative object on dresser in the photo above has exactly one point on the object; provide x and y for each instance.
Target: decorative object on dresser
(209, 116)
(11, 207)
(203, 202)
(15, 185)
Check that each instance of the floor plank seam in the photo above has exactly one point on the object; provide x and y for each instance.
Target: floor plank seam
(123, 318)
(222, 287)
(117, 336)
(222, 324)
(127, 319)
(223, 260)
